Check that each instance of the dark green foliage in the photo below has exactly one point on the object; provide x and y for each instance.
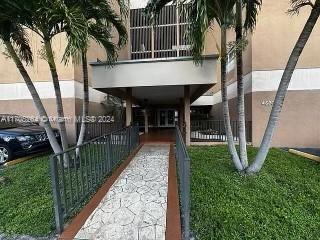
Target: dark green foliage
(26, 205)
(282, 202)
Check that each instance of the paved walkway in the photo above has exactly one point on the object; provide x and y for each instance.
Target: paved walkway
(135, 206)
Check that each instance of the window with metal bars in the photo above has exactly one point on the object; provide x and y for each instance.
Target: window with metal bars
(166, 38)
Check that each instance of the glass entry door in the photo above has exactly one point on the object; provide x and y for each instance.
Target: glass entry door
(171, 118)
(162, 118)
(166, 118)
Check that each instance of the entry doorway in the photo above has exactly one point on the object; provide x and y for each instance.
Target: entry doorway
(167, 118)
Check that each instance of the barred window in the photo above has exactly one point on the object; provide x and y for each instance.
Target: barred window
(165, 39)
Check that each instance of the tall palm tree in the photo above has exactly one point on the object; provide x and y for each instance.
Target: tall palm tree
(49, 18)
(224, 25)
(17, 45)
(240, 88)
(251, 10)
(101, 19)
(286, 78)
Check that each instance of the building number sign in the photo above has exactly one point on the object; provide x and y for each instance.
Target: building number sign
(267, 103)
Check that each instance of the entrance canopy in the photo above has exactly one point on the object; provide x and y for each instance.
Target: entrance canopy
(156, 81)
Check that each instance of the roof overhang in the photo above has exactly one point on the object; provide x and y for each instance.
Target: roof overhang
(157, 81)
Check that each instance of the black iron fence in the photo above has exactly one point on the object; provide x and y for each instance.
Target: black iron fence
(214, 131)
(78, 172)
(97, 129)
(184, 183)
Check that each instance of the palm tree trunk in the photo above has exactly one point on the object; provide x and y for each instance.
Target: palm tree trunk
(283, 88)
(240, 86)
(225, 104)
(56, 85)
(44, 120)
(85, 104)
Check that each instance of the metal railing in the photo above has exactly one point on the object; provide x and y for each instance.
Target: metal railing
(78, 172)
(183, 161)
(97, 129)
(214, 131)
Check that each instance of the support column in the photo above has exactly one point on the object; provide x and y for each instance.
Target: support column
(146, 121)
(181, 115)
(187, 114)
(128, 106)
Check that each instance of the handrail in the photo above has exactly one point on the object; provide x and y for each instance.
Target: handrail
(78, 172)
(88, 142)
(97, 129)
(183, 160)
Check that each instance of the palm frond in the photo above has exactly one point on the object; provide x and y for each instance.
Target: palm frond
(11, 30)
(75, 24)
(108, 16)
(296, 5)
(102, 36)
(124, 7)
(154, 6)
(198, 27)
(98, 11)
(20, 42)
(252, 8)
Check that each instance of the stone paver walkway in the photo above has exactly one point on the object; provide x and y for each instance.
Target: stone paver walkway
(135, 206)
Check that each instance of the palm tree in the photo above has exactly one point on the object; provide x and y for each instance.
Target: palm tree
(224, 25)
(17, 45)
(286, 78)
(72, 20)
(251, 11)
(49, 18)
(101, 19)
(240, 88)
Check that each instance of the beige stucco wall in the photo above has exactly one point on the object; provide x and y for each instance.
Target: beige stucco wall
(299, 120)
(40, 70)
(95, 51)
(95, 109)
(272, 43)
(27, 108)
(269, 48)
(276, 34)
(217, 109)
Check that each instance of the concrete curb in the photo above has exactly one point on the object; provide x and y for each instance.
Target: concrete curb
(23, 159)
(303, 154)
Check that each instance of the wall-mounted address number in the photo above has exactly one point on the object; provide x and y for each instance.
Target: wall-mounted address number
(267, 103)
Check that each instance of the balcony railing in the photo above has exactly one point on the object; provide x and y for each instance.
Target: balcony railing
(164, 39)
(184, 183)
(78, 172)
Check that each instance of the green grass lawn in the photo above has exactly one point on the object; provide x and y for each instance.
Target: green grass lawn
(26, 201)
(26, 204)
(282, 202)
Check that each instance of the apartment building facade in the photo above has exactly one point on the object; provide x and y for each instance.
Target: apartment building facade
(265, 59)
(156, 77)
